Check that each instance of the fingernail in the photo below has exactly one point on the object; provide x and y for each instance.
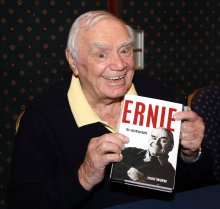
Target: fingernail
(121, 156)
(127, 139)
(175, 118)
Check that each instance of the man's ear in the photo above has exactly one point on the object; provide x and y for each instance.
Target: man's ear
(71, 61)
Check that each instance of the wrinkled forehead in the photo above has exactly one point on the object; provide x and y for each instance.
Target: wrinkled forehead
(106, 32)
(103, 24)
(160, 133)
(87, 21)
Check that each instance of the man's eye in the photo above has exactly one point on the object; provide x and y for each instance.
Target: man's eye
(164, 141)
(126, 50)
(101, 55)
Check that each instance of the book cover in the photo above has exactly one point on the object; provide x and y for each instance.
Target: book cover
(150, 157)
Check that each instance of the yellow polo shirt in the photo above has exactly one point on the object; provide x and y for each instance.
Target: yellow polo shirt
(80, 107)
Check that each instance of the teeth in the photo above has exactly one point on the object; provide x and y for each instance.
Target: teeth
(114, 78)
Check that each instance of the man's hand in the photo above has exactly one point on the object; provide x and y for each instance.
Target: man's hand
(134, 174)
(191, 133)
(100, 152)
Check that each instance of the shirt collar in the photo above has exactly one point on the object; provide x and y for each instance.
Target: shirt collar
(81, 110)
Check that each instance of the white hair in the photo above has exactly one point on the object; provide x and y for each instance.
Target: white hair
(87, 20)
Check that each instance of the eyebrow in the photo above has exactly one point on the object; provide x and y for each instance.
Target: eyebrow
(107, 47)
(98, 46)
(127, 42)
(162, 137)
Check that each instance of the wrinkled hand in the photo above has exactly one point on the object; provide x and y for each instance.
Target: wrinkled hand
(134, 174)
(192, 131)
(100, 152)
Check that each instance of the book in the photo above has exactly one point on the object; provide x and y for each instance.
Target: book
(150, 158)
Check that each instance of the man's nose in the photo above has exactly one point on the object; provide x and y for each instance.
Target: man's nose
(157, 142)
(117, 62)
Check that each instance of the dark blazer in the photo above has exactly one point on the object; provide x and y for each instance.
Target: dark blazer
(49, 148)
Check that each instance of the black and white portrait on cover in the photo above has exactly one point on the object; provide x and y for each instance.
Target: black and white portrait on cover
(149, 165)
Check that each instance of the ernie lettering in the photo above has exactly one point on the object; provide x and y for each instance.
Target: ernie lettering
(141, 114)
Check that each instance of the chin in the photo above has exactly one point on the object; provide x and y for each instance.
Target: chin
(117, 93)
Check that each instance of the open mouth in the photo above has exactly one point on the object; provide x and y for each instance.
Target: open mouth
(114, 78)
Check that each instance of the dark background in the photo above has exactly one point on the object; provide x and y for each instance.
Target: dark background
(182, 48)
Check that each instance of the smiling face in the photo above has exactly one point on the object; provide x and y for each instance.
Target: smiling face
(160, 142)
(106, 64)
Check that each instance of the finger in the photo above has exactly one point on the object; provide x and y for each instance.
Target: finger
(102, 160)
(189, 127)
(190, 141)
(112, 157)
(109, 147)
(103, 150)
(186, 136)
(114, 138)
(197, 135)
(198, 126)
(190, 145)
(119, 139)
(186, 116)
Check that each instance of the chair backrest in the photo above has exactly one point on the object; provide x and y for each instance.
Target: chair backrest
(206, 103)
(18, 121)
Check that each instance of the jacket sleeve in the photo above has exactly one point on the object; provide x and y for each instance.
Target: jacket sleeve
(38, 177)
(196, 174)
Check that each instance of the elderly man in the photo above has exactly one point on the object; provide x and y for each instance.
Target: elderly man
(149, 165)
(66, 141)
